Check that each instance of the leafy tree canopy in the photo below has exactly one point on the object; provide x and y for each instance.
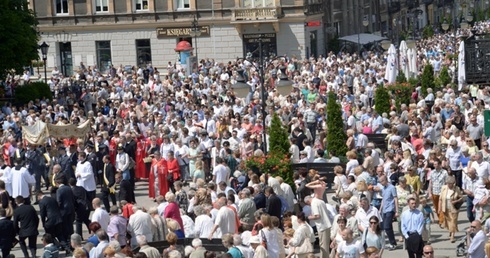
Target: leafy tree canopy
(18, 36)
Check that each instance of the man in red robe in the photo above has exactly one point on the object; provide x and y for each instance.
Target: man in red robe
(157, 181)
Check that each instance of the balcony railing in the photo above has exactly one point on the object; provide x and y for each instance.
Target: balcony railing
(314, 9)
(263, 13)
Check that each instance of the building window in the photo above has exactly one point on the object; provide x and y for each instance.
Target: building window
(101, 6)
(143, 52)
(104, 59)
(258, 3)
(141, 5)
(61, 6)
(183, 4)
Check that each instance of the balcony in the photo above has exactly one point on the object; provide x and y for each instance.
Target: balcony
(265, 14)
(394, 6)
(313, 9)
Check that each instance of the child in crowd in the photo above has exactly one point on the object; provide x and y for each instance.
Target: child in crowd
(428, 218)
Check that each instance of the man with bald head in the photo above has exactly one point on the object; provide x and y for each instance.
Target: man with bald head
(225, 220)
(428, 251)
(476, 245)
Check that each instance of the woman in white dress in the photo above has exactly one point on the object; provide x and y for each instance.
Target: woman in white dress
(269, 235)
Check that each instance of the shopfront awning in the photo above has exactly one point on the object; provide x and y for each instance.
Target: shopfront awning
(363, 38)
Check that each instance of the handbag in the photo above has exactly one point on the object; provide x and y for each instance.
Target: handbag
(264, 240)
(147, 159)
(170, 178)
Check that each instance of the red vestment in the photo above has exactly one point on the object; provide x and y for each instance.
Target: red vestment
(161, 168)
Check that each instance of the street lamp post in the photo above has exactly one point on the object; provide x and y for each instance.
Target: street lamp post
(44, 51)
(195, 33)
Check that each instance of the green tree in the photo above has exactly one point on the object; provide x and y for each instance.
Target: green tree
(444, 77)
(18, 36)
(400, 78)
(336, 136)
(428, 32)
(427, 78)
(32, 91)
(382, 99)
(278, 136)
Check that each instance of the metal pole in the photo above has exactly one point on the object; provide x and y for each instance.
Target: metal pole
(195, 28)
(262, 82)
(45, 74)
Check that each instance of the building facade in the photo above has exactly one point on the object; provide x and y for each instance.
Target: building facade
(138, 32)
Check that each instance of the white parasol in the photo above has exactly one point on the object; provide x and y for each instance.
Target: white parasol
(392, 65)
(461, 66)
(404, 66)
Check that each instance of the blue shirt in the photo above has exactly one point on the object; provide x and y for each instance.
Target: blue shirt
(412, 221)
(389, 194)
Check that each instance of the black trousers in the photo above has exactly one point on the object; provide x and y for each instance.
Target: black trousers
(82, 217)
(32, 245)
(105, 199)
(90, 198)
(415, 245)
(67, 224)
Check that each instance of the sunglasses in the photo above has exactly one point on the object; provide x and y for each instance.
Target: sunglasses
(431, 252)
(473, 227)
(373, 222)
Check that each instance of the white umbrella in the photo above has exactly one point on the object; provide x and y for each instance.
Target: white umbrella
(461, 66)
(413, 62)
(391, 65)
(404, 67)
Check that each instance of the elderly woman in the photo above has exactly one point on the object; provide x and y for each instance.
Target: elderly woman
(449, 204)
(174, 227)
(158, 225)
(340, 181)
(470, 143)
(172, 211)
(351, 141)
(352, 163)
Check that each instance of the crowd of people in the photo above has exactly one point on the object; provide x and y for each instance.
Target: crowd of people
(188, 135)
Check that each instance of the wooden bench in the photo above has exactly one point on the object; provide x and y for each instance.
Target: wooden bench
(324, 169)
(215, 245)
(379, 140)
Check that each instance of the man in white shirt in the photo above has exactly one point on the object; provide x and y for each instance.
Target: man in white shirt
(139, 224)
(220, 172)
(203, 225)
(225, 220)
(476, 246)
(365, 212)
(85, 176)
(100, 215)
(321, 216)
